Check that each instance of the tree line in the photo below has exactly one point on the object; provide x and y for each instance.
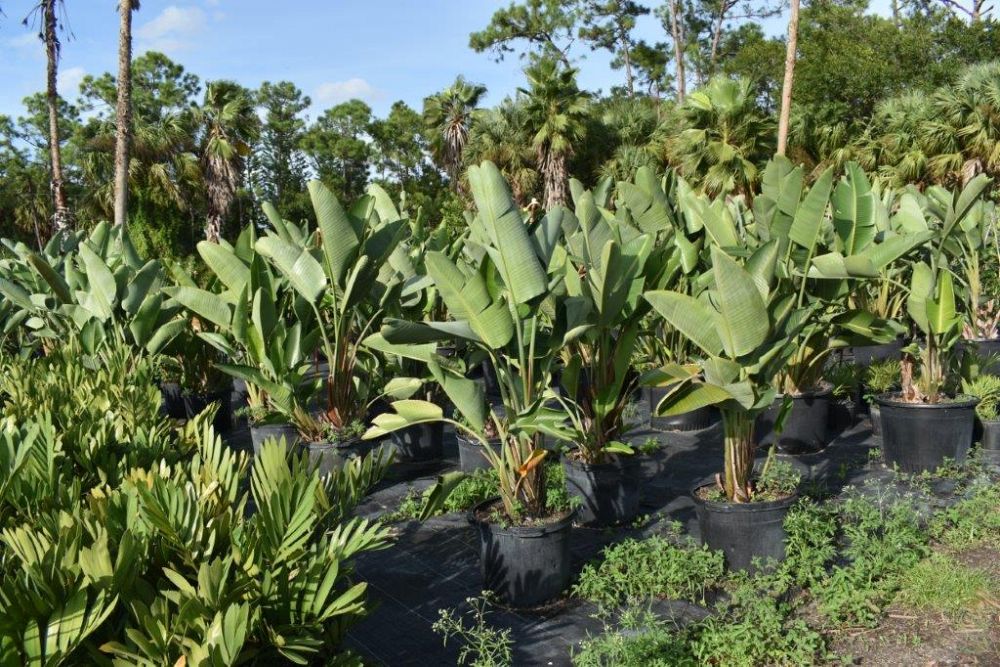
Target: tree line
(912, 97)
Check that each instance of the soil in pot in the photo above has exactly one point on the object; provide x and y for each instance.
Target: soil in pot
(918, 437)
(694, 420)
(470, 454)
(261, 432)
(195, 404)
(524, 565)
(420, 442)
(608, 492)
(805, 428)
(743, 531)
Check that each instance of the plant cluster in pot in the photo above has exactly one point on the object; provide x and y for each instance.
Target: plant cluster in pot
(976, 247)
(880, 377)
(987, 431)
(344, 280)
(745, 327)
(845, 407)
(498, 299)
(928, 421)
(609, 263)
(823, 267)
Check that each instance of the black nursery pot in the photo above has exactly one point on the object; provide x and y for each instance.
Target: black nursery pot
(330, 456)
(261, 432)
(805, 424)
(609, 492)
(988, 434)
(524, 565)
(172, 400)
(420, 442)
(743, 531)
(843, 413)
(918, 437)
(865, 355)
(875, 416)
(695, 420)
(195, 404)
(470, 454)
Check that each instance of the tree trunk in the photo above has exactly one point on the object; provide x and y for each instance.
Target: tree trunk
(678, 34)
(627, 59)
(786, 88)
(553, 167)
(123, 111)
(716, 36)
(61, 219)
(213, 227)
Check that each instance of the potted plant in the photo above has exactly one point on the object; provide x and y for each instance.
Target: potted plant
(845, 379)
(987, 432)
(928, 421)
(497, 301)
(746, 327)
(823, 270)
(880, 377)
(977, 250)
(344, 281)
(600, 320)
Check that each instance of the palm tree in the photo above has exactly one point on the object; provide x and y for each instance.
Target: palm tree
(727, 136)
(448, 117)
(123, 109)
(906, 143)
(501, 136)
(557, 110)
(971, 108)
(229, 124)
(48, 10)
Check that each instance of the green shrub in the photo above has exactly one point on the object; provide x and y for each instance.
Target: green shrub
(147, 552)
(656, 567)
(482, 644)
(940, 583)
(970, 522)
(881, 377)
(987, 389)
(640, 638)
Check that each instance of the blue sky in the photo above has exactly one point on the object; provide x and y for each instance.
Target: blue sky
(376, 50)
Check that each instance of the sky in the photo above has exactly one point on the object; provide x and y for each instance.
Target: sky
(377, 50)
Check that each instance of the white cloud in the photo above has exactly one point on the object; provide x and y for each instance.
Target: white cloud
(335, 92)
(172, 30)
(69, 81)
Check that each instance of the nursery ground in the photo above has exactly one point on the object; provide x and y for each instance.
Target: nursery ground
(435, 565)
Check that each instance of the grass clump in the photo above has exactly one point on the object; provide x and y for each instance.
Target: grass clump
(657, 567)
(971, 522)
(987, 389)
(942, 584)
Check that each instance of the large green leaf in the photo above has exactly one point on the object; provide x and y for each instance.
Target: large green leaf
(511, 247)
(809, 216)
(230, 269)
(204, 304)
(742, 321)
(302, 271)
(691, 317)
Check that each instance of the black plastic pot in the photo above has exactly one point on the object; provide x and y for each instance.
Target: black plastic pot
(470, 454)
(988, 434)
(918, 437)
(843, 414)
(524, 565)
(744, 531)
(173, 401)
(420, 442)
(329, 456)
(864, 355)
(195, 404)
(875, 416)
(695, 420)
(609, 492)
(805, 428)
(261, 432)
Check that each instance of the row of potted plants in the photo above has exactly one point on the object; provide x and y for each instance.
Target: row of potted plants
(713, 304)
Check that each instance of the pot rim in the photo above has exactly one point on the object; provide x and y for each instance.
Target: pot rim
(741, 508)
(326, 444)
(520, 531)
(621, 462)
(982, 340)
(889, 401)
(826, 389)
(463, 438)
